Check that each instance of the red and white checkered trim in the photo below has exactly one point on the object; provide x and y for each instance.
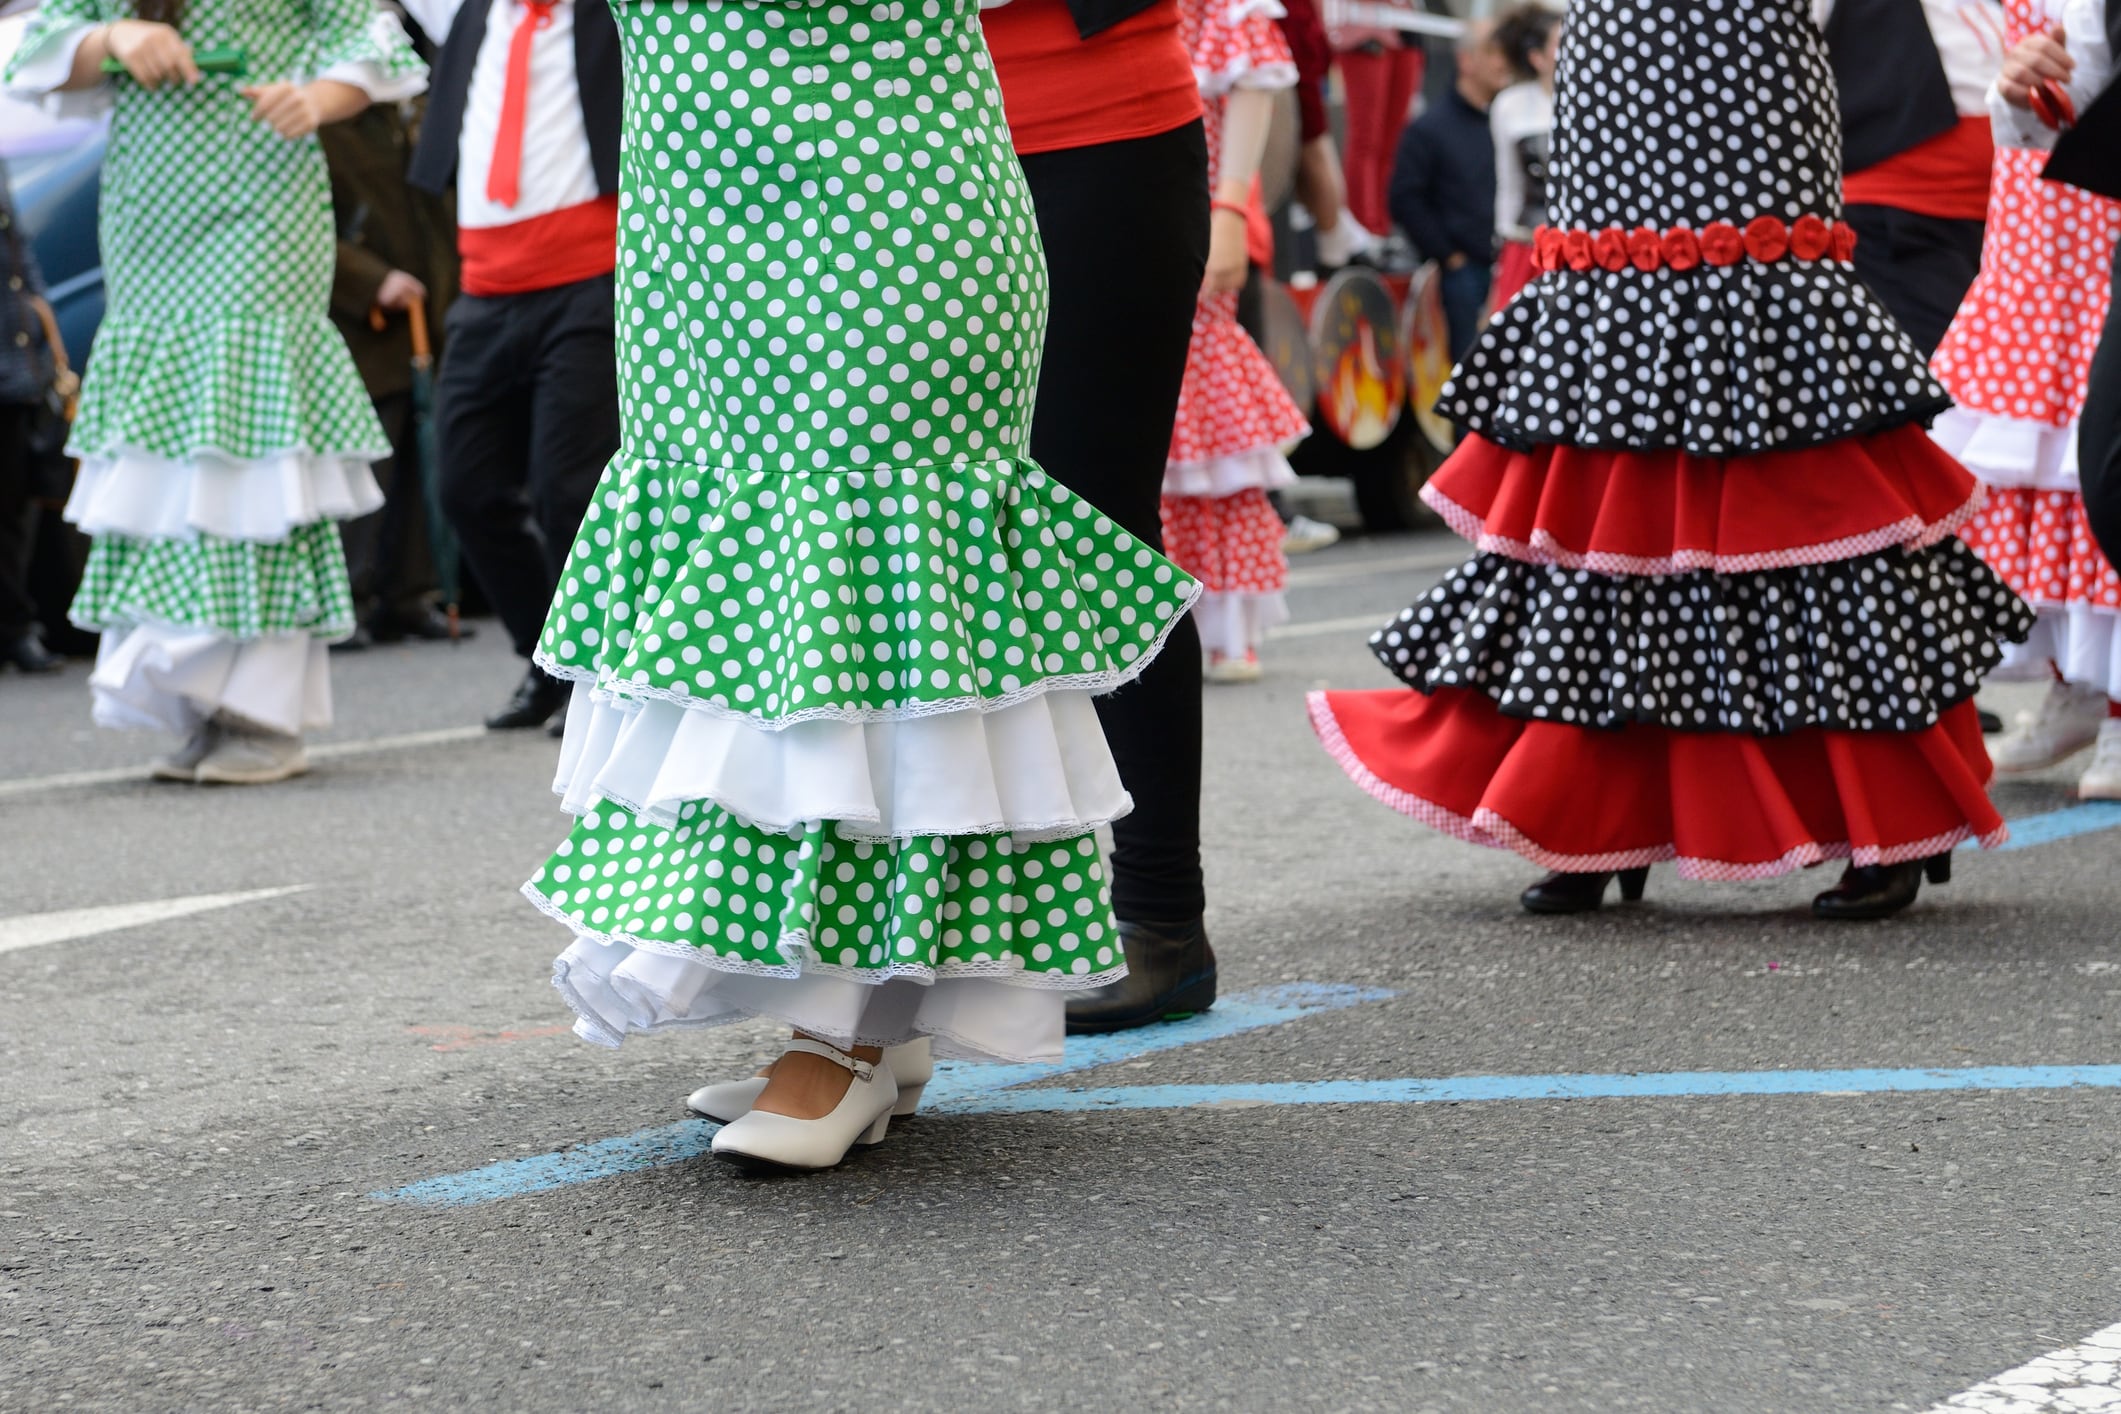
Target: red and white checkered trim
(1491, 830)
(1909, 533)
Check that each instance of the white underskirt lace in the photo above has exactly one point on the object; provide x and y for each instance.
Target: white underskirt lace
(157, 677)
(617, 991)
(1038, 769)
(154, 498)
(2010, 452)
(1264, 467)
(2083, 642)
(1235, 624)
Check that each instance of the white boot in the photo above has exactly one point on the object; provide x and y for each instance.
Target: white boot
(762, 1139)
(911, 1065)
(183, 763)
(2068, 719)
(245, 755)
(2102, 779)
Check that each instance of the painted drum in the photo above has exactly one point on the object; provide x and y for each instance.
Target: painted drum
(1285, 341)
(1426, 338)
(1356, 361)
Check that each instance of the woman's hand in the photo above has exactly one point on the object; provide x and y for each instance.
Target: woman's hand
(287, 108)
(2041, 57)
(1228, 261)
(152, 53)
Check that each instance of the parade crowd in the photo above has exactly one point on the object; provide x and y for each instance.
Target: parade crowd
(850, 415)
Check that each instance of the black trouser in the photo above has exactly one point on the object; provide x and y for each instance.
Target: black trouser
(386, 550)
(1125, 226)
(18, 521)
(1918, 266)
(527, 414)
(2099, 433)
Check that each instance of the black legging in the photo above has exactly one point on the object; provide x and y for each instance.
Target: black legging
(1125, 226)
(2099, 433)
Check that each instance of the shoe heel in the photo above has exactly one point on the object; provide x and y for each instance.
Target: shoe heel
(1939, 868)
(1632, 883)
(909, 1100)
(874, 1134)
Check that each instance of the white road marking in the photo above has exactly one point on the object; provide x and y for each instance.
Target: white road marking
(325, 751)
(1369, 622)
(2086, 1376)
(1368, 569)
(32, 930)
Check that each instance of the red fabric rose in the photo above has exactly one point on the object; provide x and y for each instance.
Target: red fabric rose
(1767, 239)
(1810, 238)
(1611, 248)
(1576, 249)
(1645, 249)
(1844, 242)
(1546, 248)
(1682, 248)
(1721, 244)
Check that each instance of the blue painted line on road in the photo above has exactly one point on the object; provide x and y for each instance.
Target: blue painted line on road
(2085, 819)
(954, 1085)
(1475, 1089)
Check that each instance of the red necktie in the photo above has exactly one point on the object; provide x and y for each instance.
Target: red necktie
(504, 176)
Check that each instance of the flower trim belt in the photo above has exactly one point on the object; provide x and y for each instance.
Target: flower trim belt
(1764, 238)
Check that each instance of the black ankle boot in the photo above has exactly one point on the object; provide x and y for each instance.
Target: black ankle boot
(1581, 893)
(27, 652)
(536, 698)
(1170, 974)
(1880, 890)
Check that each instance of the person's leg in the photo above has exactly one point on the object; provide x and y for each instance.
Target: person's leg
(1919, 266)
(1465, 295)
(404, 574)
(1116, 339)
(19, 643)
(2099, 433)
(364, 538)
(482, 428)
(1365, 80)
(575, 417)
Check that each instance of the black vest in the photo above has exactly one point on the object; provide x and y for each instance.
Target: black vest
(1894, 91)
(596, 70)
(2089, 154)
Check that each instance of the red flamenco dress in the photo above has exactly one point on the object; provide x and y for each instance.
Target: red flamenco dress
(1718, 613)
(1234, 417)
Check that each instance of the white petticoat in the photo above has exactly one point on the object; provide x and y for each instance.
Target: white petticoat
(154, 676)
(1235, 624)
(616, 991)
(1039, 769)
(154, 498)
(2009, 452)
(2082, 642)
(1263, 467)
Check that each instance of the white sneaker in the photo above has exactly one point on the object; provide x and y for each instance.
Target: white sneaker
(1303, 535)
(2068, 719)
(912, 1065)
(2102, 779)
(183, 763)
(1344, 242)
(252, 756)
(761, 1139)
(1222, 669)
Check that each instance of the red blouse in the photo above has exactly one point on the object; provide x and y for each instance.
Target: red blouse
(1061, 90)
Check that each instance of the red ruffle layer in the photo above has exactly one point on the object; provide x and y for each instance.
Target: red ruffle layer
(1231, 544)
(2040, 543)
(1667, 512)
(1723, 805)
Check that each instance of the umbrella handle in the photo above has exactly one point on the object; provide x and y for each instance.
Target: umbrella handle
(417, 313)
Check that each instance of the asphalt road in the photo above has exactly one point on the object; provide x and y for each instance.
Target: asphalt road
(197, 1112)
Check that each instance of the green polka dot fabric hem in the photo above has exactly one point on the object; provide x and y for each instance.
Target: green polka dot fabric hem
(239, 588)
(855, 596)
(813, 902)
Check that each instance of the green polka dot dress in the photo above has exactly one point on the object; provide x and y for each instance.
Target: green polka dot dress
(222, 425)
(833, 634)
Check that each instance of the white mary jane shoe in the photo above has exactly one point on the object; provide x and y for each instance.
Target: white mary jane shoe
(911, 1065)
(761, 1139)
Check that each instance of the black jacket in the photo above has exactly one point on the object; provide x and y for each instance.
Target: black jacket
(1443, 182)
(2089, 154)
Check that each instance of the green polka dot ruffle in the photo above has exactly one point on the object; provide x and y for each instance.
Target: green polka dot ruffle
(241, 588)
(745, 900)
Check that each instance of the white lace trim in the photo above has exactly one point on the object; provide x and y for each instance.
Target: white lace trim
(1039, 770)
(605, 686)
(2008, 451)
(126, 491)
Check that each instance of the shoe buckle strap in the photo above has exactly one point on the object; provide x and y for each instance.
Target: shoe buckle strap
(863, 1070)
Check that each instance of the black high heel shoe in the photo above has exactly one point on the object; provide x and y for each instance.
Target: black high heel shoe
(1880, 890)
(1581, 893)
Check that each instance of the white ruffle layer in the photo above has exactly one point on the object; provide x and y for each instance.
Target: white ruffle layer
(2009, 452)
(1235, 624)
(157, 677)
(155, 498)
(1264, 467)
(2082, 642)
(1039, 768)
(617, 991)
